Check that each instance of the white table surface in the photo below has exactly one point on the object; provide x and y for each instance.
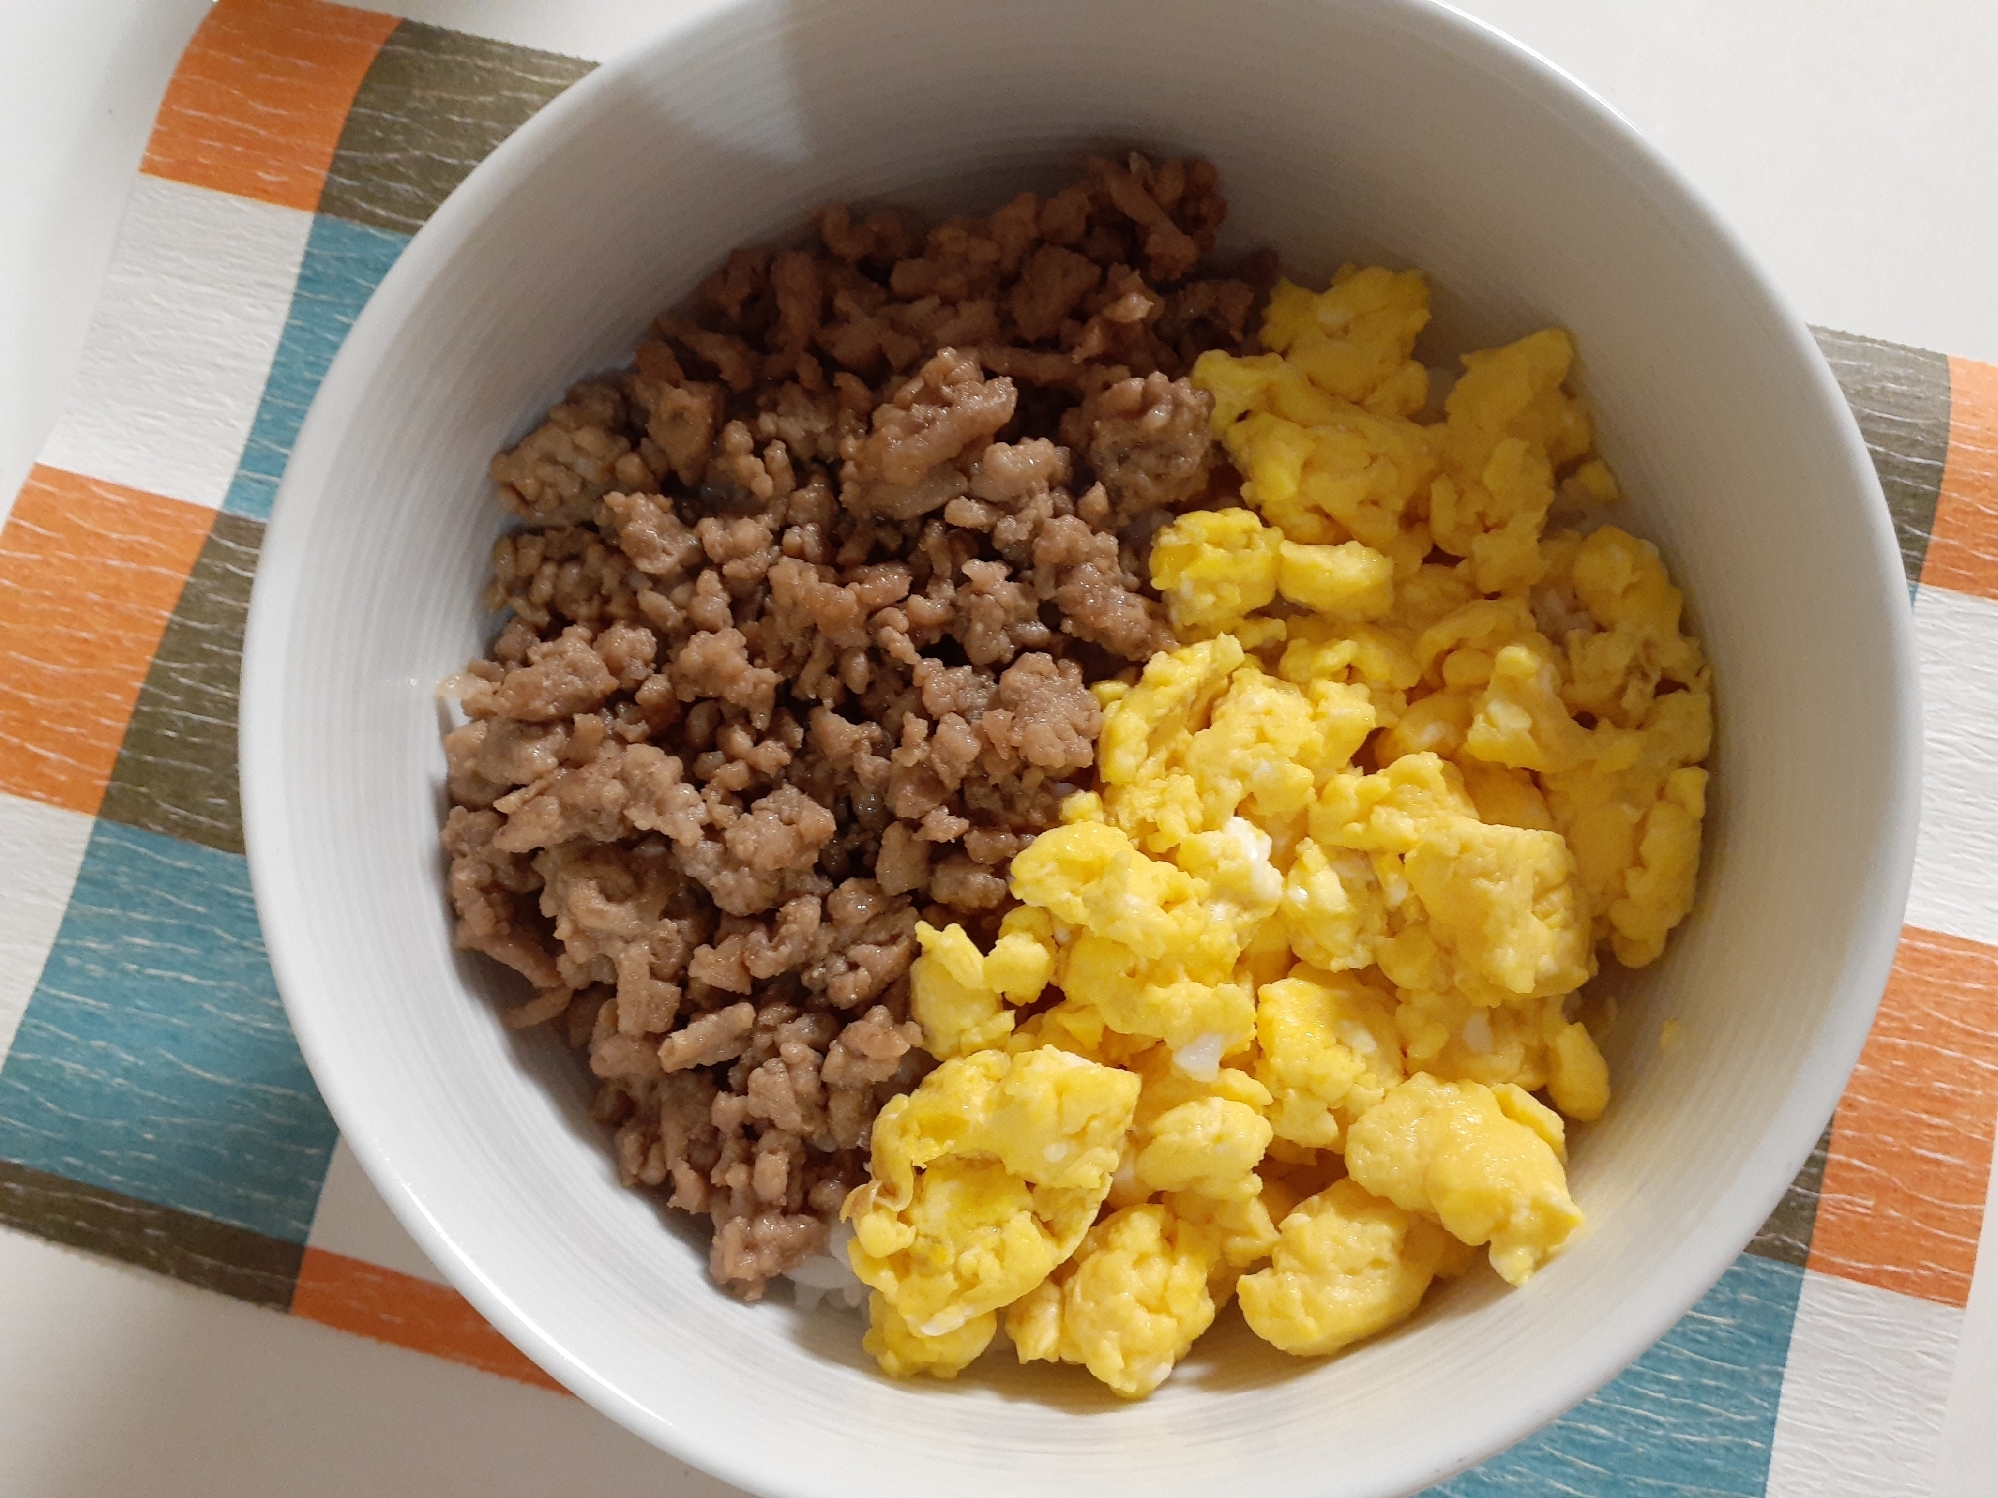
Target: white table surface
(1854, 144)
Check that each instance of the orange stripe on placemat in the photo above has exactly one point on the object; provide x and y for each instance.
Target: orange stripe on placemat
(1963, 550)
(89, 575)
(256, 106)
(1903, 1197)
(354, 1296)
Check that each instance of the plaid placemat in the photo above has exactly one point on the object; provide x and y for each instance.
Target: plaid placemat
(153, 1104)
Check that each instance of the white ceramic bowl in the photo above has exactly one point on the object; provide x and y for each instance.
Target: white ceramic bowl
(1386, 130)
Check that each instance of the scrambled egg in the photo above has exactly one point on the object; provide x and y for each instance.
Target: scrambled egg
(983, 1180)
(1484, 1162)
(1346, 1265)
(1127, 1306)
(1275, 1016)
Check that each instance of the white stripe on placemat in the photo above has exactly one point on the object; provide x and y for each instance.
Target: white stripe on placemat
(41, 849)
(1956, 857)
(1863, 1392)
(186, 326)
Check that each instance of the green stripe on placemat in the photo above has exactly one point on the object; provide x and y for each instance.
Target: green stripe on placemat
(433, 105)
(1900, 397)
(185, 1246)
(176, 770)
(1787, 1233)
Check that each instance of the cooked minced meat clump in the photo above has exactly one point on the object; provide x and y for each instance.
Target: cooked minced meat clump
(803, 615)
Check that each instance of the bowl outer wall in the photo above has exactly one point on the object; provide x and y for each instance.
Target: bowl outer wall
(522, 1196)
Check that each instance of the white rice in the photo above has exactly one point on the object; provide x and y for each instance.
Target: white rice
(1200, 1057)
(828, 1278)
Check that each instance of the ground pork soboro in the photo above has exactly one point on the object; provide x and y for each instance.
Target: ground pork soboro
(802, 623)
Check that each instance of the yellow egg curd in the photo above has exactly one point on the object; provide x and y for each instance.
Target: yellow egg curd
(1287, 1012)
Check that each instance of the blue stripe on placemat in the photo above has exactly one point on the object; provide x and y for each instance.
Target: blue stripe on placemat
(1693, 1418)
(344, 263)
(154, 1059)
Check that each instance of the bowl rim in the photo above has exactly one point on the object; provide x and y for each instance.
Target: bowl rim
(284, 917)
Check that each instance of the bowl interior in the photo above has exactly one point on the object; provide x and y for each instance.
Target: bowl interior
(1392, 132)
